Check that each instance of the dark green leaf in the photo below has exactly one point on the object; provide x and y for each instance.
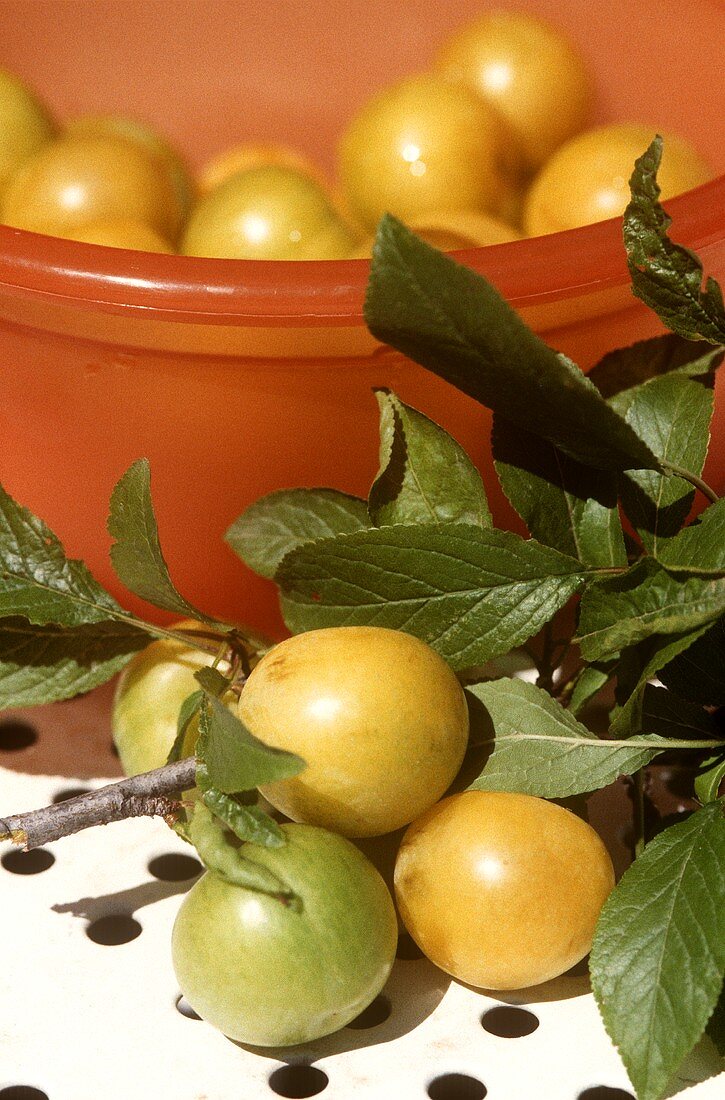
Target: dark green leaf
(700, 548)
(716, 1025)
(235, 759)
(219, 854)
(645, 600)
(710, 778)
(636, 666)
(425, 476)
(472, 594)
(213, 681)
(453, 322)
(136, 555)
(666, 276)
(591, 680)
(659, 951)
(563, 503)
(672, 415)
(669, 716)
(38, 582)
(189, 710)
(247, 822)
(539, 748)
(698, 673)
(42, 664)
(631, 366)
(280, 521)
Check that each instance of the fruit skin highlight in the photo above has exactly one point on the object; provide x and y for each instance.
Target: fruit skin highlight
(272, 212)
(77, 180)
(377, 715)
(502, 890)
(421, 146)
(268, 975)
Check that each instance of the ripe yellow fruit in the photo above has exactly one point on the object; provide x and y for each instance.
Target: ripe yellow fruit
(120, 233)
(587, 180)
(268, 213)
(502, 890)
(77, 180)
(529, 72)
(25, 125)
(379, 718)
(453, 230)
(249, 154)
(146, 137)
(421, 146)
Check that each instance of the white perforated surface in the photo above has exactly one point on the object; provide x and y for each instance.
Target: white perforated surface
(82, 1021)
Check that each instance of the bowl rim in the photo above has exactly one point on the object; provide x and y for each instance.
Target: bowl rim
(321, 293)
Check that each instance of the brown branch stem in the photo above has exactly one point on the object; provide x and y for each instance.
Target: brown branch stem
(687, 475)
(146, 795)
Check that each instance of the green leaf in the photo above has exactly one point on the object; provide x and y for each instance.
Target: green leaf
(247, 822)
(666, 276)
(539, 748)
(647, 359)
(590, 681)
(220, 855)
(710, 778)
(136, 555)
(213, 681)
(672, 415)
(280, 521)
(646, 600)
(563, 503)
(236, 760)
(716, 1025)
(190, 709)
(472, 594)
(659, 950)
(425, 476)
(42, 664)
(38, 582)
(698, 674)
(453, 322)
(700, 548)
(669, 716)
(636, 666)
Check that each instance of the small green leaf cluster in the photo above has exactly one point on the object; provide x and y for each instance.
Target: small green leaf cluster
(62, 634)
(611, 588)
(602, 469)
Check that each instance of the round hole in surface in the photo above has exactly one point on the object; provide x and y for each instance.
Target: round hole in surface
(174, 867)
(69, 792)
(509, 1022)
(183, 1007)
(456, 1086)
(28, 863)
(604, 1092)
(298, 1081)
(15, 736)
(114, 930)
(408, 949)
(22, 1092)
(376, 1013)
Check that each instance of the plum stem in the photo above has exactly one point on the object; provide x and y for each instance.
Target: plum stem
(146, 795)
